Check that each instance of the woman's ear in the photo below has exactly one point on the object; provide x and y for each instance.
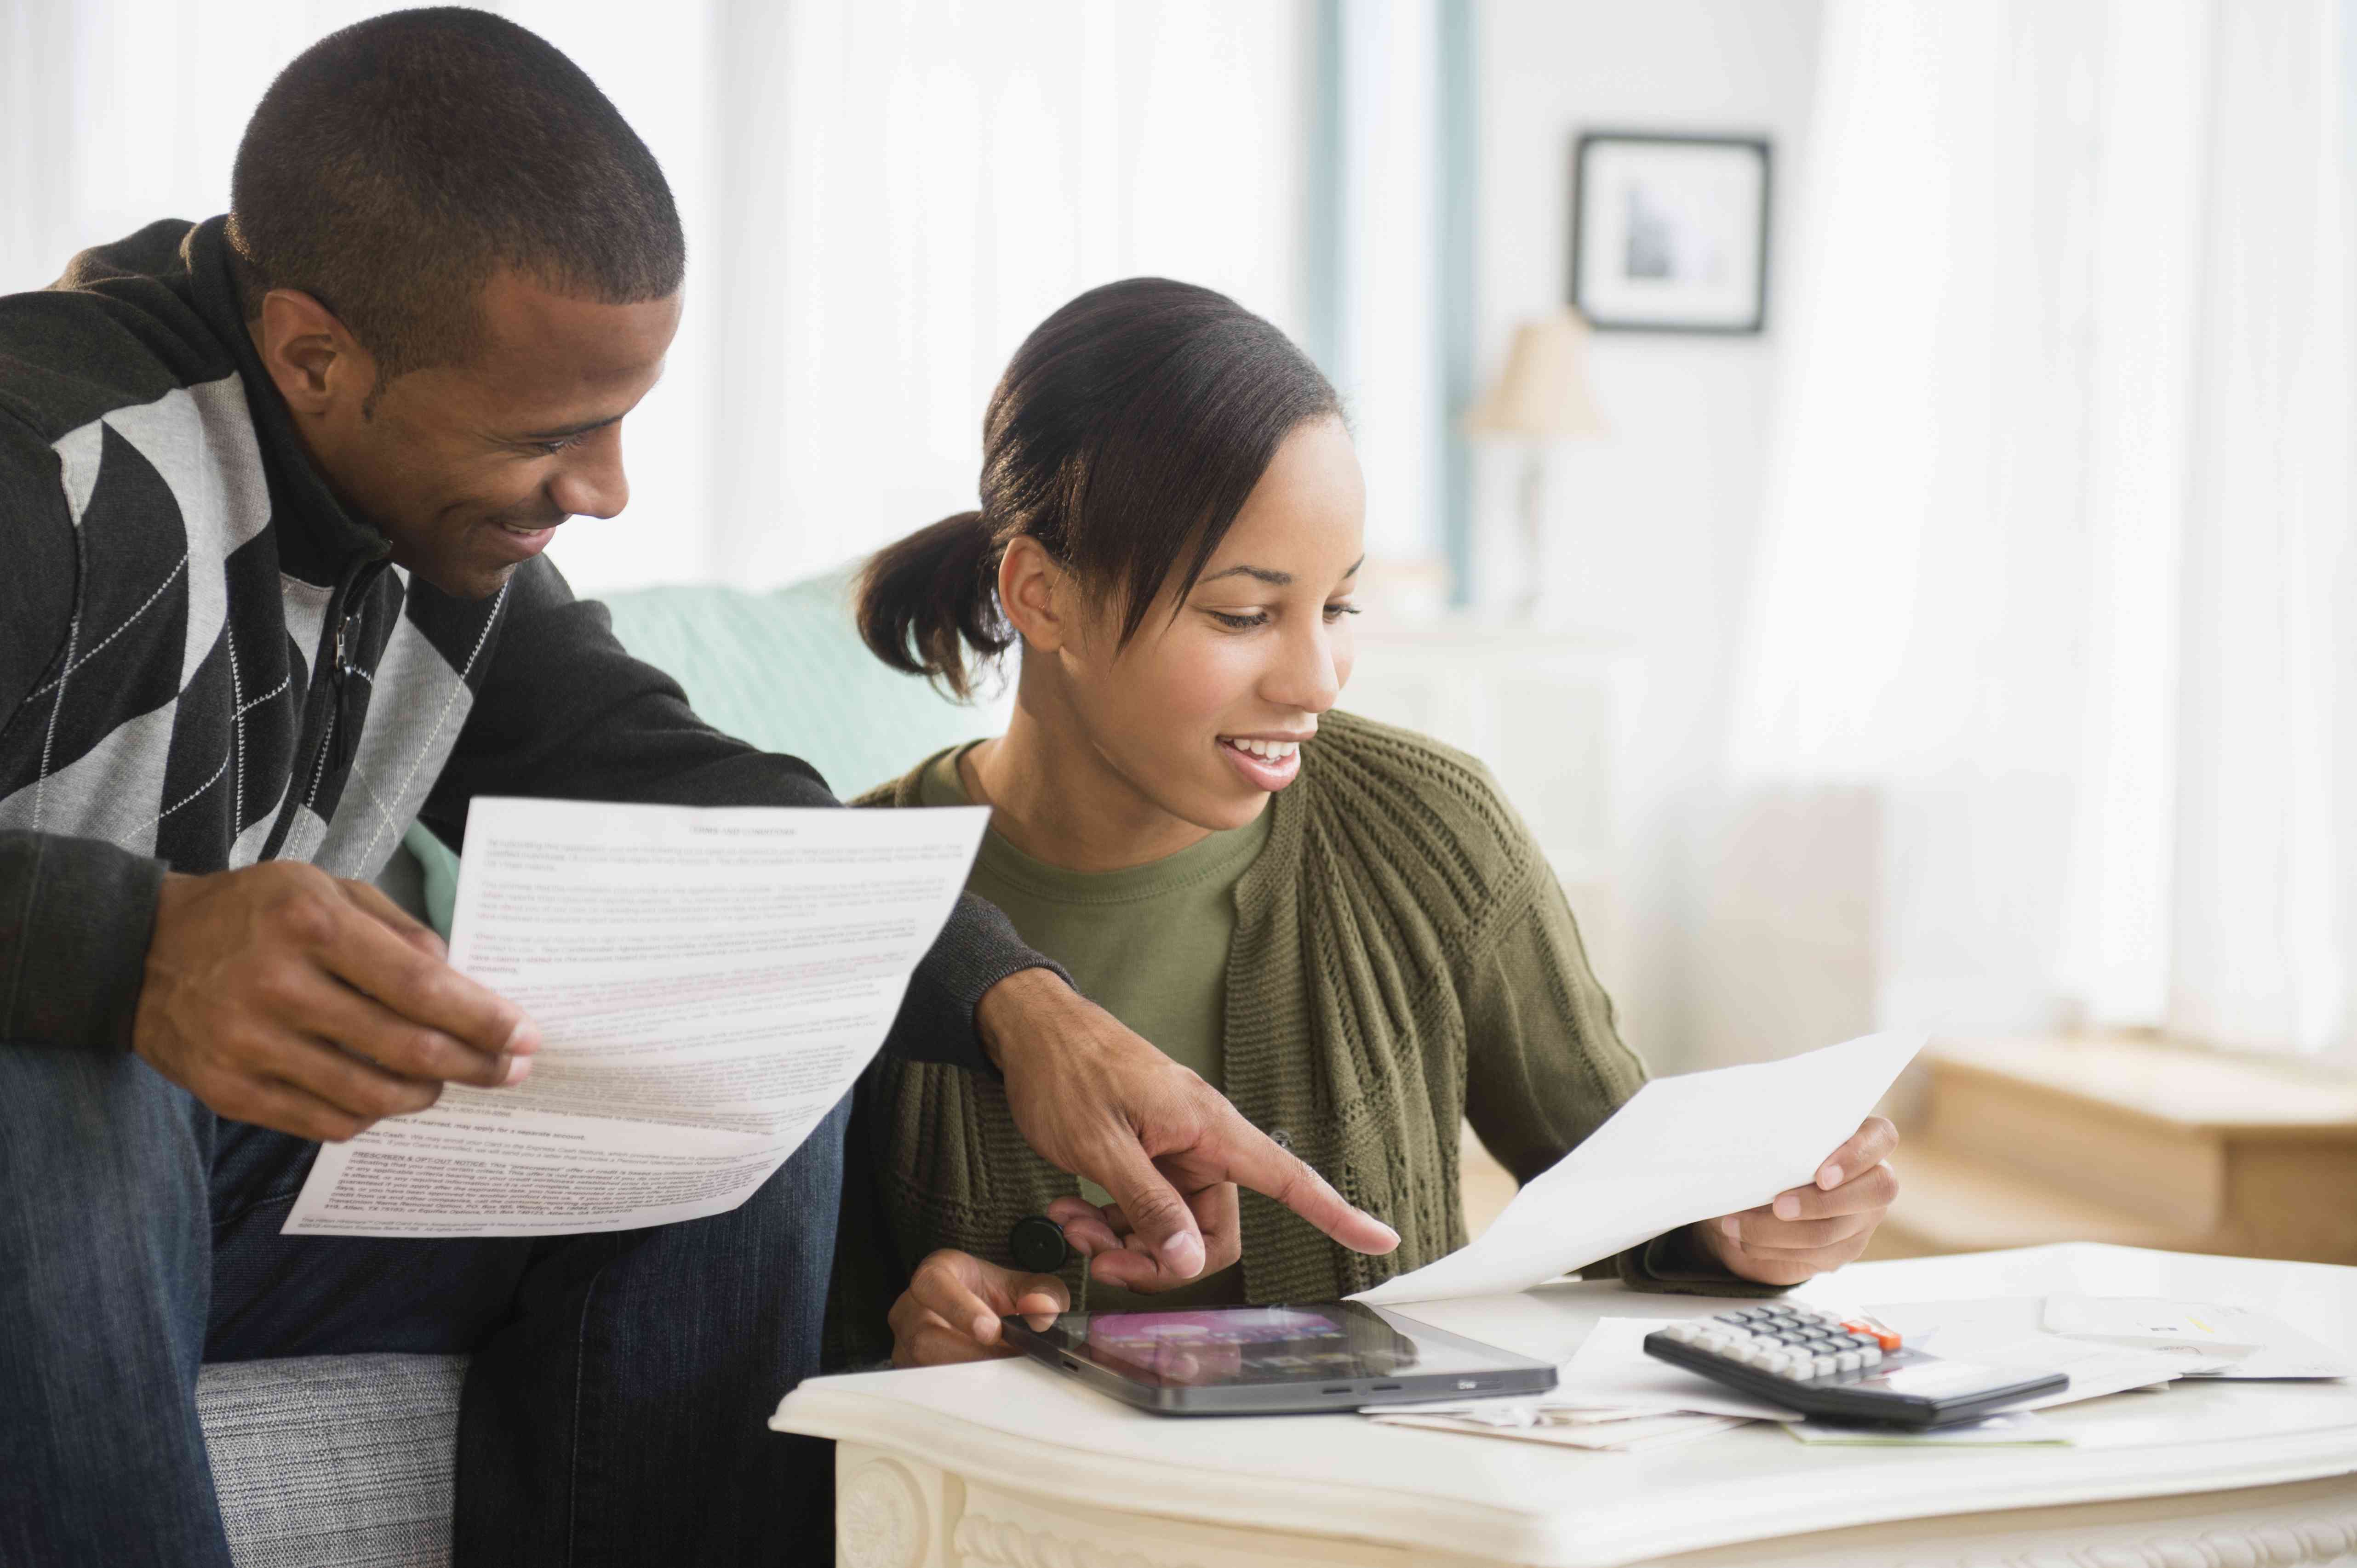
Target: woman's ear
(1032, 594)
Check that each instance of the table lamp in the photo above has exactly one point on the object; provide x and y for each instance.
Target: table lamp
(1540, 397)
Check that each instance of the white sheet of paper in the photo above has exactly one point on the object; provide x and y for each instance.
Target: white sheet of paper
(1619, 1437)
(2001, 1332)
(2013, 1431)
(2094, 1370)
(2205, 1339)
(1525, 1411)
(1610, 1373)
(1610, 1367)
(708, 982)
(1682, 1149)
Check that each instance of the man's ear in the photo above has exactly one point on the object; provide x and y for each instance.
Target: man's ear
(1035, 594)
(312, 357)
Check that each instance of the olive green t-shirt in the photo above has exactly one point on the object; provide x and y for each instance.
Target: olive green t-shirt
(1148, 944)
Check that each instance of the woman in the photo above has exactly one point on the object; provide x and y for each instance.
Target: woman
(1340, 924)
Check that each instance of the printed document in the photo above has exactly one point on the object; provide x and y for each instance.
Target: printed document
(1634, 1435)
(2002, 1331)
(2203, 1339)
(708, 982)
(1682, 1149)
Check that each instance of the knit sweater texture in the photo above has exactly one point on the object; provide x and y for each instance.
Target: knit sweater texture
(1404, 960)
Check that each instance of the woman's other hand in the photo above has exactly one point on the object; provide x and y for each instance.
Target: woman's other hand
(951, 1310)
(1812, 1230)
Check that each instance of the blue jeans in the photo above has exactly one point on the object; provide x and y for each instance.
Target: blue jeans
(613, 1413)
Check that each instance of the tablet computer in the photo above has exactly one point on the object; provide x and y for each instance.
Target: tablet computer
(1270, 1360)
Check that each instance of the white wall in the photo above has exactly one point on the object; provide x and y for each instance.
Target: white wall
(1653, 526)
(927, 182)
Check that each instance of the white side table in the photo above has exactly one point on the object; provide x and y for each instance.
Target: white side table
(1003, 1464)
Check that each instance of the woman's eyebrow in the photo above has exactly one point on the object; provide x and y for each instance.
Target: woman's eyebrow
(1261, 574)
(1265, 575)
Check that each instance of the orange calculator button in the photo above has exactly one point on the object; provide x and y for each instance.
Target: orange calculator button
(1882, 1334)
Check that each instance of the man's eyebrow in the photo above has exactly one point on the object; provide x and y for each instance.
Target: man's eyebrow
(584, 428)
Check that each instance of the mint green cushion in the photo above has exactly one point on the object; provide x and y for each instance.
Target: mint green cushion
(785, 670)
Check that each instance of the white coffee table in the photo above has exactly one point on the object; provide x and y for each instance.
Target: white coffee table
(1006, 1465)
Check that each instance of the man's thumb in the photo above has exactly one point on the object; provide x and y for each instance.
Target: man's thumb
(1158, 1215)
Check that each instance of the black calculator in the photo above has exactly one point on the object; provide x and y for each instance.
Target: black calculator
(1843, 1367)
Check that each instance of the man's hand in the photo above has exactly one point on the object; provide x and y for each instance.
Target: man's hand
(1812, 1230)
(951, 1310)
(1095, 1099)
(1118, 1255)
(284, 997)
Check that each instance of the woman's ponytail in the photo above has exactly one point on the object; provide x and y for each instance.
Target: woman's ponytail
(927, 600)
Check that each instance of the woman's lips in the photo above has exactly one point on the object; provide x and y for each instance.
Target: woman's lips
(1265, 765)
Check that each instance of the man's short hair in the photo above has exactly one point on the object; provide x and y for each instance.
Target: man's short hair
(395, 167)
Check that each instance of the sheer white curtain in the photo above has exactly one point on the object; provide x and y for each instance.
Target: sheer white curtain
(2060, 522)
(914, 185)
(882, 197)
(116, 112)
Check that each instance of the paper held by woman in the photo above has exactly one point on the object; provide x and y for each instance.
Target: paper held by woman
(1682, 1149)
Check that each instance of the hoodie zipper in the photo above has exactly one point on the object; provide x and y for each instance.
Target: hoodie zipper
(339, 741)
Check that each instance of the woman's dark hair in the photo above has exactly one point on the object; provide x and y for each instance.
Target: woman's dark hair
(1125, 437)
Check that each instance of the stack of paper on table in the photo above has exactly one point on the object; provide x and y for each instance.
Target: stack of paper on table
(1612, 1395)
(2002, 1332)
(1609, 1395)
(2009, 1430)
(2199, 1340)
(1990, 1333)
(1607, 1433)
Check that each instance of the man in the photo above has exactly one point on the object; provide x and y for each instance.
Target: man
(274, 490)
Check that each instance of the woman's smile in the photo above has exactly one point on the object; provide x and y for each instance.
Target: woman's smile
(1265, 762)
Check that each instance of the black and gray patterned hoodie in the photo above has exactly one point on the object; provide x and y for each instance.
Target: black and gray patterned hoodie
(206, 662)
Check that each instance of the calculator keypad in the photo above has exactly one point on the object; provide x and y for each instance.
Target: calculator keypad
(1790, 1340)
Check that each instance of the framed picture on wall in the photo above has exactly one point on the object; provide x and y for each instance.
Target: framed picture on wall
(1669, 233)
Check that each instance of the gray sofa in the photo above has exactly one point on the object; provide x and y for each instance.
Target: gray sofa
(346, 1460)
(334, 1459)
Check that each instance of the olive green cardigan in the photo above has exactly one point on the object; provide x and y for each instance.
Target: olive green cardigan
(1404, 958)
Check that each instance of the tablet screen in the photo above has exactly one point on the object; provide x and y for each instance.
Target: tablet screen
(1205, 1346)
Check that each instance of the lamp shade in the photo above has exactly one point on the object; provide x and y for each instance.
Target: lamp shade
(1543, 390)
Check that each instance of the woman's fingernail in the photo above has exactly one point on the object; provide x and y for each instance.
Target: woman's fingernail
(985, 1330)
(1787, 1206)
(1829, 1177)
(517, 1067)
(524, 1040)
(1730, 1227)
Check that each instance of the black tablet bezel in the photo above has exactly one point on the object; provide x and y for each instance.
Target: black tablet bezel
(1508, 1375)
